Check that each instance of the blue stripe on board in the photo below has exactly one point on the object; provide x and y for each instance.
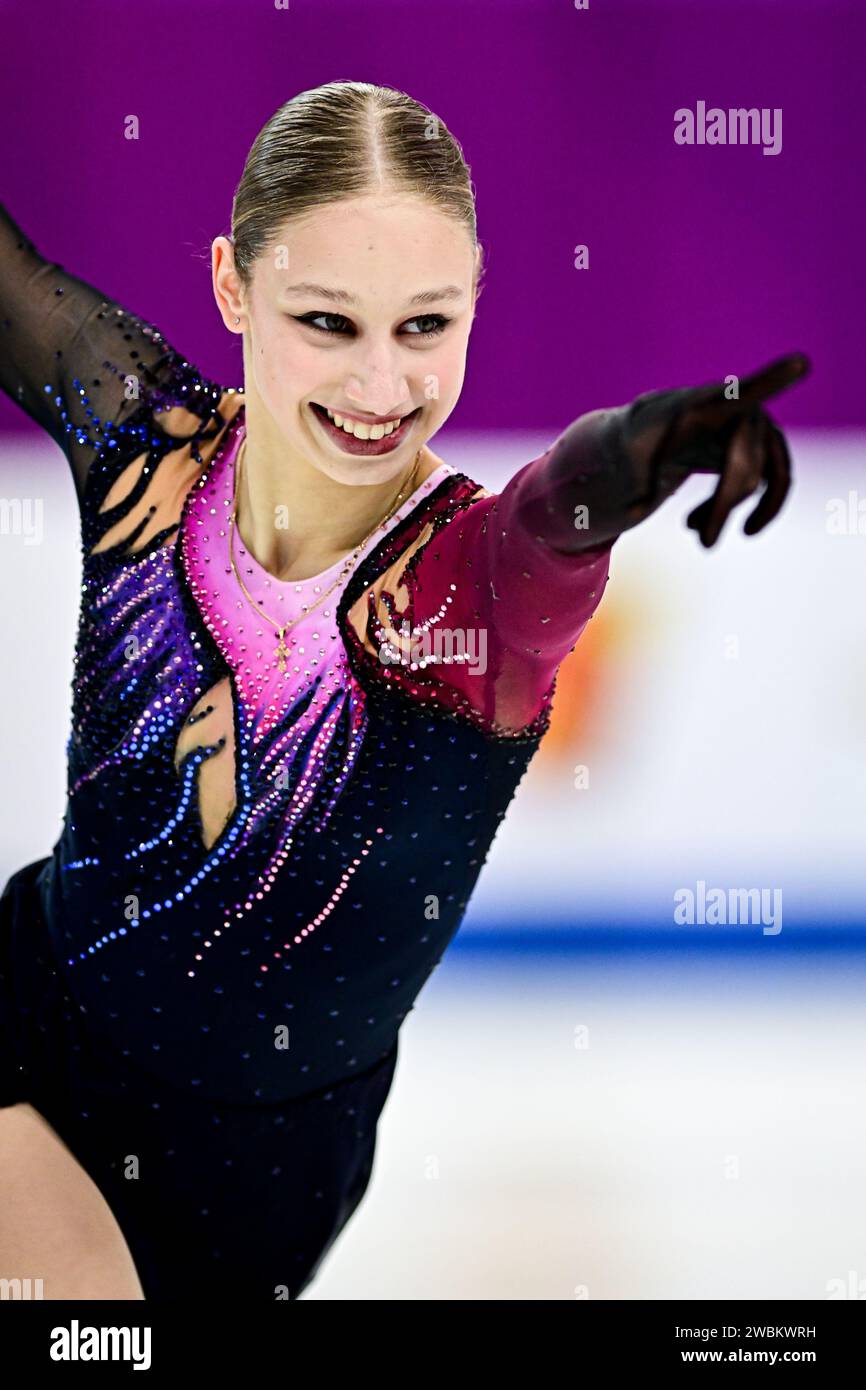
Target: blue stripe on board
(481, 935)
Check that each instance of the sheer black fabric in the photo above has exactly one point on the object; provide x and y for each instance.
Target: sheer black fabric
(81, 366)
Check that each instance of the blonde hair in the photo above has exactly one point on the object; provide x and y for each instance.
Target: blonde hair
(344, 140)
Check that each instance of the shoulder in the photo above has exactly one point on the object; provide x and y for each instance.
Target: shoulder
(136, 490)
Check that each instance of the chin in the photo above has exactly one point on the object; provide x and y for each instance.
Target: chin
(360, 472)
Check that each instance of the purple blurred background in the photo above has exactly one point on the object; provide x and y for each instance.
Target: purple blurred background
(704, 260)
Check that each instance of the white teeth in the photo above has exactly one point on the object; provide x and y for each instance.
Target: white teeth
(364, 431)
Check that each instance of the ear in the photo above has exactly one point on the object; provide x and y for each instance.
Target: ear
(226, 282)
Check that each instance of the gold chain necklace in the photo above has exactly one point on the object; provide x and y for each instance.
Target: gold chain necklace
(282, 652)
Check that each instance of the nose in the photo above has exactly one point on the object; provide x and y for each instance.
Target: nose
(378, 388)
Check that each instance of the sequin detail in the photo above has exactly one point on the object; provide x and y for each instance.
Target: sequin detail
(297, 733)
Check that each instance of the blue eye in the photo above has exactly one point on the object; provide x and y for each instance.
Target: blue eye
(439, 321)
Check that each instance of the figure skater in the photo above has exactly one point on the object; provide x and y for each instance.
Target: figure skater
(313, 663)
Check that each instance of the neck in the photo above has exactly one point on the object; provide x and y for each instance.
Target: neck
(297, 522)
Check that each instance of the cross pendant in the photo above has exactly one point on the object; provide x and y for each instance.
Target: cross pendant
(282, 651)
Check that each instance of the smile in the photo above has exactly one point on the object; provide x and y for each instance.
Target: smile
(353, 437)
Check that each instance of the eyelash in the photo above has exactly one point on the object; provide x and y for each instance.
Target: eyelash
(442, 323)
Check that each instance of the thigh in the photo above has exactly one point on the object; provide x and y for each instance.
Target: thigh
(55, 1225)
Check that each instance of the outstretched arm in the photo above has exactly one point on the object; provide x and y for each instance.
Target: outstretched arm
(74, 360)
(520, 574)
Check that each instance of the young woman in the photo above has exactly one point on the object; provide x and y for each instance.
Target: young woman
(313, 663)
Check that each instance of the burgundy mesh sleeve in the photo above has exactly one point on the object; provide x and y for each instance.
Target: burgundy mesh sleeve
(493, 607)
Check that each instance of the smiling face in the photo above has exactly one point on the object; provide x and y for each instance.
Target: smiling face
(362, 308)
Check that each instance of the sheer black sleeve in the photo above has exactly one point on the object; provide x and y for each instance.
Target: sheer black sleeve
(86, 370)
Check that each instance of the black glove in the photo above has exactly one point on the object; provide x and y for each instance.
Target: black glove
(610, 469)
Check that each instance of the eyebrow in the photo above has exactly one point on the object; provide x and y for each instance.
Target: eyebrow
(343, 296)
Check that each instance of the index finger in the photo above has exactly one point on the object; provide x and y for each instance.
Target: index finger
(711, 408)
(777, 376)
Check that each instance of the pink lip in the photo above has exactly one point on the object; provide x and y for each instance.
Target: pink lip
(365, 448)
